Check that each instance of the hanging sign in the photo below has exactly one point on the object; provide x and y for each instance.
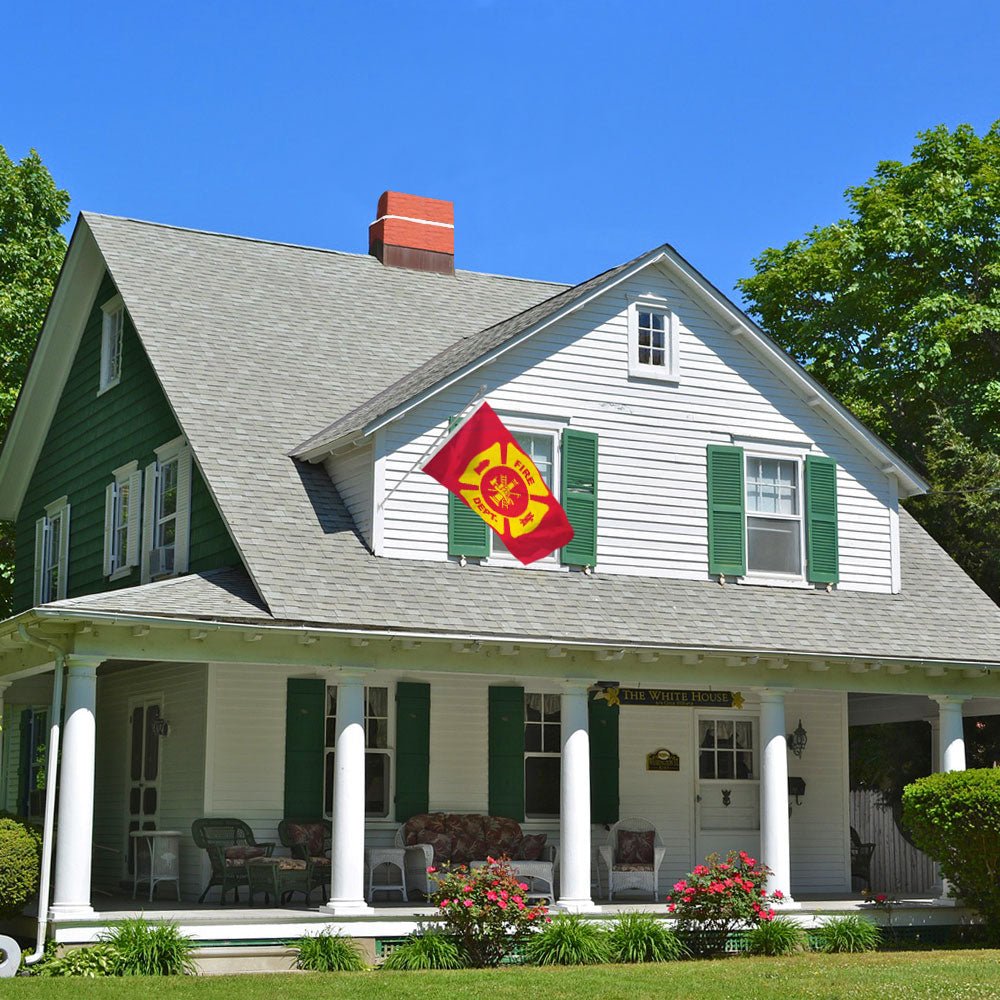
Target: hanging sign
(662, 760)
(670, 699)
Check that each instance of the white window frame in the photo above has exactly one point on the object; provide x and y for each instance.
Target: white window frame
(549, 754)
(668, 372)
(119, 560)
(760, 577)
(52, 552)
(175, 450)
(112, 342)
(387, 751)
(723, 716)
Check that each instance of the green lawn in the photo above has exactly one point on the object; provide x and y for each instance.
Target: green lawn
(955, 975)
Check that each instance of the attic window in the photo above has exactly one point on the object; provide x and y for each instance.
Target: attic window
(652, 340)
(112, 333)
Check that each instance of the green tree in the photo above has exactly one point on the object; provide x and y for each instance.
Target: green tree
(32, 248)
(896, 310)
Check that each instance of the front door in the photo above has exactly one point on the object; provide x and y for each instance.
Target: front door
(144, 771)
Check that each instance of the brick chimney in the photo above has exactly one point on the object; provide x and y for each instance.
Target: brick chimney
(414, 232)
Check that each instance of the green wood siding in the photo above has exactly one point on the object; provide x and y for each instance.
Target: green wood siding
(822, 563)
(579, 496)
(506, 752)
(305, 741)
(603, 731)
(413, 749)
(91, 435)
(726, 511)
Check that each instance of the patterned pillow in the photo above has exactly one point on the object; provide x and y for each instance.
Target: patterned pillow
(530, 848)
(308, 834)
(440, 842)
(237, 857)
(469, 825)
(503, 836)
(415, 825)
(635, 847)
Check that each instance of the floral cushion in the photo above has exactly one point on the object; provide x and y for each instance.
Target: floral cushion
(285, 864)
(464, 837)
(423, 822)
(237, 857)
(466, 848)
(503, 836)
(321, 862)
(311, 835)
(530, 848)
(440, 842)
(633, 867)
(635, 847)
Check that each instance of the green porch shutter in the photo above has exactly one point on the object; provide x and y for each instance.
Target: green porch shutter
(468, 533)
(24, 764)
(413, 749)
(822, 561)
(579, 496)
(726, 511)
(603, 724)
(506, 752)
(305, 743)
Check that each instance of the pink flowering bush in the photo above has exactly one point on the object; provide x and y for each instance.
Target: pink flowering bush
(485, 910)
(719, 896)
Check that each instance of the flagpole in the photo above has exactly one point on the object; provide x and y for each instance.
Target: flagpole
(449, 429)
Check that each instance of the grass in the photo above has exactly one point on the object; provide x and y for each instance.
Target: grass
(931, 975)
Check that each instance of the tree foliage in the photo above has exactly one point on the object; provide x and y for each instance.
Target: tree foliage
(32, 208)
(896, 310)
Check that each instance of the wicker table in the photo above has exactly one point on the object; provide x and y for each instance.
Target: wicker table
(162, 859)
(393, 856)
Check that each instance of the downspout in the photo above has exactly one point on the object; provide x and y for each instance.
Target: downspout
(51, 772)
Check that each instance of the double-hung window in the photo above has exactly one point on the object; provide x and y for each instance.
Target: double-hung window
(542, 757)
(122, 506)
(652, 340)
(378, 753)
(540, 447)
(166, 513)
(112, 337)
(52, 552)
(774, 516)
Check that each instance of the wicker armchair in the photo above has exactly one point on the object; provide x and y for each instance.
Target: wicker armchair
(861, 859)
(632, 862)
(230, 845)
(309, 840)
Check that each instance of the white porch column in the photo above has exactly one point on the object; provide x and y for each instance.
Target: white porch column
(949, 755)
(74, 841)
(774, 849)
(574, 806)
(347, 894)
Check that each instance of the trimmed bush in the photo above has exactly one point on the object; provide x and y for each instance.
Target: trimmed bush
(428, 950)
(640, 937)
(848, 934)
(147, 948)
(568, 940)
(329, 953)
(20, 865)
(954, 817)
(780, 936)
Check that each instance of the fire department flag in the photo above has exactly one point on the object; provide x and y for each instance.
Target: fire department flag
(483, 465)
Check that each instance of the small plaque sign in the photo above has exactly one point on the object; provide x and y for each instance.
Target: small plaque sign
(662, 760)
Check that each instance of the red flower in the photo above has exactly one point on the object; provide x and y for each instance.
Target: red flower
(778, 894)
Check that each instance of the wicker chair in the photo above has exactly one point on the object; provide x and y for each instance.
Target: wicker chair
(632, 872)
(309, 840)
(230, 845)
(861, 859)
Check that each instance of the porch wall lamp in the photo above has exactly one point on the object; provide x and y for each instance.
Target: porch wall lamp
(797, 740)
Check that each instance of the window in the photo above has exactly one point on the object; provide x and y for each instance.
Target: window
(166, 512)
(112, 334)
(542, 758)
(121, 521)
(540, 447)
(52, 552)
(652, 337)
(726, 749)
(774, 516)
(378, 755)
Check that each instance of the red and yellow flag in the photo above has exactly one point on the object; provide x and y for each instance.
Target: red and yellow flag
(483, 465)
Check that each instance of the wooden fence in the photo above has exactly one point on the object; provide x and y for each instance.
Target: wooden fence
(897, 866)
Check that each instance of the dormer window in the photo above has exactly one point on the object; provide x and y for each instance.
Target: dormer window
(652, 340)
(112, 334)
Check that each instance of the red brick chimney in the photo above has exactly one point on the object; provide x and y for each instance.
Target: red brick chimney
(414, 232)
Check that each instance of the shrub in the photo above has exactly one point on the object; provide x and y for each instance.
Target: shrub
(954, 817)
(146, 948)
(780, 936)
(719, 896)
(568, 940)
(326, 952)
(484, 910)
(97, 960)
(641, 937)
(429, 949)
(20, 863)
(851, 933)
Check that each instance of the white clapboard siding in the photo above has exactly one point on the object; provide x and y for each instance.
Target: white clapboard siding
(352, 473)
(182, 766)
(898, 868)
(653, 435)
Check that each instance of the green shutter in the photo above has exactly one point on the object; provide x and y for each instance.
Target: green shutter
(603, 726)
(305, 743)
(727, 552)
(506, 752)
(822, 562)
(24, 764)
(413, 749)
(468, 533)
(579, 496)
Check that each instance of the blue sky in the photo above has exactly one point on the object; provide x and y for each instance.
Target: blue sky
(570, 136)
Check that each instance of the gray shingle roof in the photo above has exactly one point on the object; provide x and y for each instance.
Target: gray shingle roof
(250, 341)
